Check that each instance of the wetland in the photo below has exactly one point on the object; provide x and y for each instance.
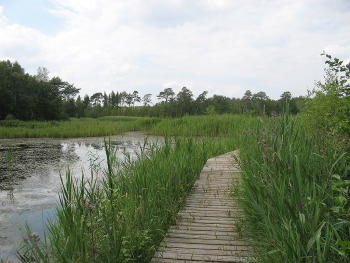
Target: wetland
(30, 177)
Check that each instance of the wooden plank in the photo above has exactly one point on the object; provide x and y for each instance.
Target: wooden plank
(184, 241)
(201, 227)
(210, 253)
(222, 247)
(232, 237)
(205, 258)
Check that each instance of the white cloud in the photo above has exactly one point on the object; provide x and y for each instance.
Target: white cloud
(177, 86)
(219, 46)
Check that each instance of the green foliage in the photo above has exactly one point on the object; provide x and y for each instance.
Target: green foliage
(295, 192)
(210, 110)
(29, 97)
(328, 104)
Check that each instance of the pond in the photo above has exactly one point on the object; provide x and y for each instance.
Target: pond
(30, 178)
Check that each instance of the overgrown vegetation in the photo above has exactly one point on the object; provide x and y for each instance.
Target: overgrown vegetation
(295, 189)
(206, 125)
(296, 177)
(86, 127)
(327, 106)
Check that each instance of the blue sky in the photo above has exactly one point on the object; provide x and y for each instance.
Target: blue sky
(222, 46)
(32, 14)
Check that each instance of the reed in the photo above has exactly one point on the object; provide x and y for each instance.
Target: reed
(210, 126)
(86, 127)
(226, 125)
(295, 192)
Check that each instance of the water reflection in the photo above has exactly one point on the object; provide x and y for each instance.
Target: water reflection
(29, 177)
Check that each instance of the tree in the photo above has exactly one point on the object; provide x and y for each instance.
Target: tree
(105, 100)
(135, 98)
(147, 100)
(286, 96)
(200, 102)
(86, 103)
(167, 94)
(63, 88)
(221, 103)
(96, 99)
(185, 98)
(260, 96)
(129, 99)
(123, 96)
(79, 107)
(42, 74)
(247, 98)
(247, 95)
(6, 97)
(259, 102)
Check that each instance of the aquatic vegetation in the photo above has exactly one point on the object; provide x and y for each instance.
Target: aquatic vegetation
(123, 215)
(213, 126)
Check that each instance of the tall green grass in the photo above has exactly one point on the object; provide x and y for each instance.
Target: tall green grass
(213, 126)
(86, 127)
(123, 215)
(210, 126)
(296, 192)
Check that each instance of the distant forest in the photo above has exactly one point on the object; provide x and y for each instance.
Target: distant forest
(27, 97)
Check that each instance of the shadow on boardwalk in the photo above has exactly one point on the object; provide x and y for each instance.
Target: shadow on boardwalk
(205, 230)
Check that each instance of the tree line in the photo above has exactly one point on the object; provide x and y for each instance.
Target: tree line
(27, 97)
(183, 103)
(37, 97)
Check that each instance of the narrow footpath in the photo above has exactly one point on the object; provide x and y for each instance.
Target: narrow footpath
(208, 227)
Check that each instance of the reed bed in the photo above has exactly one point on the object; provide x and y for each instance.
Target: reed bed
(295, 192)
(226, 125)
(123, 215)
(85, 127)
(209, 126)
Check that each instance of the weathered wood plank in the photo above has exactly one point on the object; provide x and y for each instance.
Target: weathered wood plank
(222, 247)
(232, 237)
(205, 258)
(185, 241)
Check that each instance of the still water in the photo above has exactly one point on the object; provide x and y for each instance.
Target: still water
(30, 178)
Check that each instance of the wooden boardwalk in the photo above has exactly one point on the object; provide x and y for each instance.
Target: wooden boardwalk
(205, 230)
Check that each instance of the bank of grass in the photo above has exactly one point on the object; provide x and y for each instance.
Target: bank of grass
(296, 192)
(212, 126)
(226, 125)
(85, 127)
(123, 216)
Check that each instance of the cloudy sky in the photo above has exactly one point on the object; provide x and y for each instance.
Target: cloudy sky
(222, 46)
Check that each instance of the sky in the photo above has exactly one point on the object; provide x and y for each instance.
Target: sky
(224, 47)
